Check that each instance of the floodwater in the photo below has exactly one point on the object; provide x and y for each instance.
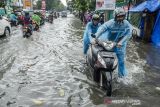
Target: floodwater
(48, 70)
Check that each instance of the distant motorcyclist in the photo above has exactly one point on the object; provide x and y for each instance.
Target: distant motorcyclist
(20, 19)
(101, 17)
(36, 19)
(87, 17)
(55, 15)
(28, 21)
(110, 30)
(13, 19)
(50, 17)
(91, 28)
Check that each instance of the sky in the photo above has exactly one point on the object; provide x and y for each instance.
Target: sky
(64, 2)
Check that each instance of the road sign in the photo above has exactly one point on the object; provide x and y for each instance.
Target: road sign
(27, 4)
(43, 5)
(43, 8)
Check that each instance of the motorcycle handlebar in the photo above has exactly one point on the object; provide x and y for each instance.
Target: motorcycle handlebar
(93, 35)
(101, 42)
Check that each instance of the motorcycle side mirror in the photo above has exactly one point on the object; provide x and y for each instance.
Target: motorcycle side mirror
(93, 35)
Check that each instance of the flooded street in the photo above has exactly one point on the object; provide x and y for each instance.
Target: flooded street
(48, 70)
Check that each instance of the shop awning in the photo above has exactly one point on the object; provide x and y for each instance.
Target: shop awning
(156, 30)
(150, 5)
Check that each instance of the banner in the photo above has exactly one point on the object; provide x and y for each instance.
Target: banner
(105, 4)
(43, 8)
(43, 5)
(27, 4)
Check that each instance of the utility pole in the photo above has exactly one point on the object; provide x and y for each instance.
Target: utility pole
(129, 4)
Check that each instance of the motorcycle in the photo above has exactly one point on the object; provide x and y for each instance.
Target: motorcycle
(50, 19)
(103, 61)
(35, 26)
(27, 31)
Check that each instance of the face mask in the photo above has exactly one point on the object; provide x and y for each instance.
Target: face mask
(119, 22)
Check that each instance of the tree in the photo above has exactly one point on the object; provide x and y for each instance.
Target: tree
(2, 4)
(92, 5)
(51, 5)
(39, 4)
(82, 5)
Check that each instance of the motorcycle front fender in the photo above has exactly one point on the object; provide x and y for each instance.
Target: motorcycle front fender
(108, 76)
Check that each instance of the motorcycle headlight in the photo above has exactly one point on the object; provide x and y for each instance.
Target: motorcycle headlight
(108, 46)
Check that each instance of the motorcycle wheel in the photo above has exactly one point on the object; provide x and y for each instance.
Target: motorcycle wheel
(6, 32)
(24, 34)
(109, 88)
(28, 35)
(96, 76)
(36, 28)
(107, 85)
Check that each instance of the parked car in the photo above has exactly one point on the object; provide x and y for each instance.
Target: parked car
(64, 14)
(5, 27)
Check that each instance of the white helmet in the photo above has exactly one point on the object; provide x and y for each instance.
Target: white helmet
(95, 17)
(119, 12)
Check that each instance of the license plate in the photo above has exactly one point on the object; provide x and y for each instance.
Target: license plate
(25, 30)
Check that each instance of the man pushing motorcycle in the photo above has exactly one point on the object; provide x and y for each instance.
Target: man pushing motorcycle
(91, 28)
(117, 30)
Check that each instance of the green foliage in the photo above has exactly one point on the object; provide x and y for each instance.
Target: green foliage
(38, 6)
(51, 5)
(82, 5)
(2, 4)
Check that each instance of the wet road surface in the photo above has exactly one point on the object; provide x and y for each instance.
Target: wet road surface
(48, 70)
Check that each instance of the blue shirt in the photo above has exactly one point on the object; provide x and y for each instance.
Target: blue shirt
(113, 31)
